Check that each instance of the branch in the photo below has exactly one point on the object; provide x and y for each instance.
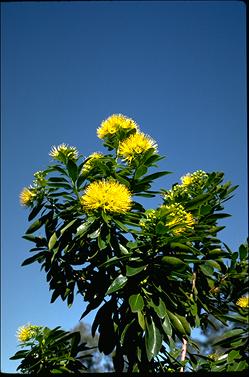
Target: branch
(184, 351)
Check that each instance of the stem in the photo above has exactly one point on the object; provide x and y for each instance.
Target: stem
(184, 351)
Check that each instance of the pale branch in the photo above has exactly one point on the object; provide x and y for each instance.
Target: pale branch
(184, 351)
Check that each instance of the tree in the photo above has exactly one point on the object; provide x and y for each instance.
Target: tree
(153, 274)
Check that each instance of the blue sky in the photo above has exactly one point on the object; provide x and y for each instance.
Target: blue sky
(177, 68)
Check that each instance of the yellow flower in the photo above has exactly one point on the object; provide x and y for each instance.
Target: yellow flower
(27, 196)
(115, 123)
(90, 161)
(178, 216)
(26, 332)
(135, 145)
(63, 151)
(110, 196)
(186, 179)
(243, 302)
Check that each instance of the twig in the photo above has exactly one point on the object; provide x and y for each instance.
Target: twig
(184, 351)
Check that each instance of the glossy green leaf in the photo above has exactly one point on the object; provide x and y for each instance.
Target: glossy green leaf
(131, 271)
(153, 338)
(52, 241)
(68, 226)
(173, 262)
(166, 325)
(117, 284)
(34, 226)
(141, 170)
(123, 249)
(83, 228)
(72, 170)
(177, 324)
(136, 303)
(206, 269)
(159, 308)
(141, 320)
(197, 201)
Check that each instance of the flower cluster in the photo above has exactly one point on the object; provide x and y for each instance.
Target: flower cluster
(136, 145)
(243, 302)
(27, 332)
(63, 152)
(90, 161)
(192, 185)
(109, 196)
(173, 216)
(115, 123)
(149, 219)
(178, 219)
(40, 179)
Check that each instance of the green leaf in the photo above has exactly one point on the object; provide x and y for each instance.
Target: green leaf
(180, 245)
(65, 185)
(130, 271)
(95, 234)
(68, 226)
(153, 338)
(52, 241)
(161, 228)
(141, 320)
(197, 201)
(123, 249)
(83, 228)
(35, 211)
(160, 309)
(177, 324)
(228, 337)
(233, 355)
(20, 355)
(101, 243)
(207, 270)
(113, 260)
(173, 262)
(117, 284)
(243, 252)
(121, 225)
(141, 170)
(153, 176)
(136, 303)
(34, 226)
(166, 325)
(38, 257)
(72, 170)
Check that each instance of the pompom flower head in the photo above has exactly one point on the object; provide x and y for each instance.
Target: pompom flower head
(109, 196)
(186, 179)
(26, 332)
(91, 161)
(135, 145)
(27, 196)
(63, 152)
(115, 123)
(243, 302)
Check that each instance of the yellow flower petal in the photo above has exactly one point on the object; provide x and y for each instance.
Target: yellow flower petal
(110, 196)
(243, 302)
(115, 123)
(135, 145)
(26, 196)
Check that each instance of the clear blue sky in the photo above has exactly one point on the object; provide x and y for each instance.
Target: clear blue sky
(177, 68)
